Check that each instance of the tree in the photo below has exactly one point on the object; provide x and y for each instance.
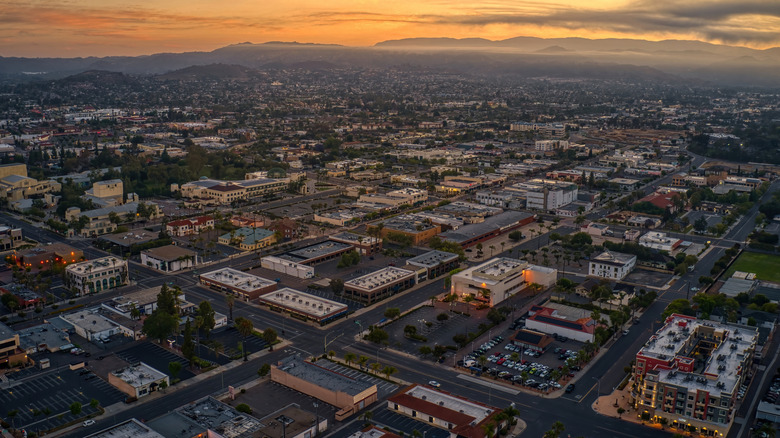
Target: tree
(700, 224)
(188, 346)
(515, 236)
(207, 314)
(264, 370)
(174, 368)
(230, 300)
(425, 350)
(555, 431)
(375, 366)
(337, 285)
(245, 328)
(160, 324)
(349, 358)
(389, 370)
(362, 361)
(270, 336)
(75, 408)
(377, 335)
(392, 313)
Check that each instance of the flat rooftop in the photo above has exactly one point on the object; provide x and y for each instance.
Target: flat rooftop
(432, 259)
(354, 238)
(96, 265)
(89, 319)
(680, 335)
(323, 377)
(460, 208)
(221, 418)
(302, 302)
(131, 428)
(44, 334)
(297, 420)
(130, 238)
(319, 250)
(137, 375)
(497, 222)
(407, 224)
(6, 332)
(614, 258)
(238, 280)
(379, 278)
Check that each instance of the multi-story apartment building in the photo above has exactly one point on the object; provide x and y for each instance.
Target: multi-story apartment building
(546, 194)
(690, 371)
(96, 275)
(186, 227)
(498, 279)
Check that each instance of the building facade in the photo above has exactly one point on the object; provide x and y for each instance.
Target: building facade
(96, 275)
(611, 265)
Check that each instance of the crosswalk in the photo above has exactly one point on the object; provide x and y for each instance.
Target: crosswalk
(384, 388)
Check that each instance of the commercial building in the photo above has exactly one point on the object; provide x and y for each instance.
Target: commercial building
(286, 228)
(463, 418)
(690, 371)
(551, 145)
(501, 198)
(469, 212)
(91, 325)
(659, 241)
(379, 285)
(292, 422)
(494, 226)
(547, 194)
(17, 187)
(287, 267)
(497, 279)
(169, 258)
(188, 227)
(106, 193)
(43, 337)
(561, 320)
(206, 418)
(100, 218)
(347, 394)
(248, 239)
(10, 351)
(418, 231)
(396, 198)
(131, 428)
(145, 302)
(215, 192)
(93, 276)
(304, 306)
(432, 264)
(365, 245)
(532, 340)
(611, 265)
(318, 252)
(44, 257)
(454, 185)
(241, 284)
(10, 238)
(138, 380)
(626, 184)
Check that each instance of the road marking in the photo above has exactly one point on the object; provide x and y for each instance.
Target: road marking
(586, 394)
(488, 384)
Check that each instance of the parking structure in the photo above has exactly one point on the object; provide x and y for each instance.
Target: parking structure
(43, 402)
(156, 357)
(384, 388)
(511, 363)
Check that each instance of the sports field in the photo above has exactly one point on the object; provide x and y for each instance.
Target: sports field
(765, 266)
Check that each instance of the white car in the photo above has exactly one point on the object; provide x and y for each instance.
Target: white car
(435, 384)
(89, 423)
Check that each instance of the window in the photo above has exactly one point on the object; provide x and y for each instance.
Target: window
(414, 414)
(430, 419)
(395, 406)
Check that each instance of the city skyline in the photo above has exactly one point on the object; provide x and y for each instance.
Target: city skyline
(62, 28)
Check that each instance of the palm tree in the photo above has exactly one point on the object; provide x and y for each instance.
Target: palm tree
(245, 328)
(375, 366)
(502, 246)
(231, 301)
(468, 299)
(492, 247)
(556, 430)
(489, 429)
(362, 360)
(349, 358)
(388, 370)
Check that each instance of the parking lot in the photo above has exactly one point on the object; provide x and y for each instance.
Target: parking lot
(384, 388)
(43, 401)
(230, 339)
(156, 357)
(427, 323)
(517, 366)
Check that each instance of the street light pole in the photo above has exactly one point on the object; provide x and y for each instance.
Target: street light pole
(598, 388)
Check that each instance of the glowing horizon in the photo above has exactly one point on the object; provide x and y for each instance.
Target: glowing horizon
(71, 28)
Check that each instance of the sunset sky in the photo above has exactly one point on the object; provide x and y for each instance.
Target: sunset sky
(67, 28)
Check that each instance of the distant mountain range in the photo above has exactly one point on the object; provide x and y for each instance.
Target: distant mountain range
(669, 60)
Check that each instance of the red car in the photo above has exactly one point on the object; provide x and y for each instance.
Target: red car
(500, 361)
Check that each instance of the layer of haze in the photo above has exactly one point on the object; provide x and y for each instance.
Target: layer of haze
(69, 28)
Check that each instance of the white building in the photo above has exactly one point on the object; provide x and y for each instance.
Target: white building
(501, 277)
(551, 145)
(96, 275)
(612, 265)
(287, 267)
(91, 325)
(547, 194)
(562, 320)
(169, 258)
(659, 241)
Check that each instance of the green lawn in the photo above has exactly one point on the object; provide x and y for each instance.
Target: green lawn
(765, 266)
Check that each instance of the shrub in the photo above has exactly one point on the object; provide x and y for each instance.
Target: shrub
(243, 407)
